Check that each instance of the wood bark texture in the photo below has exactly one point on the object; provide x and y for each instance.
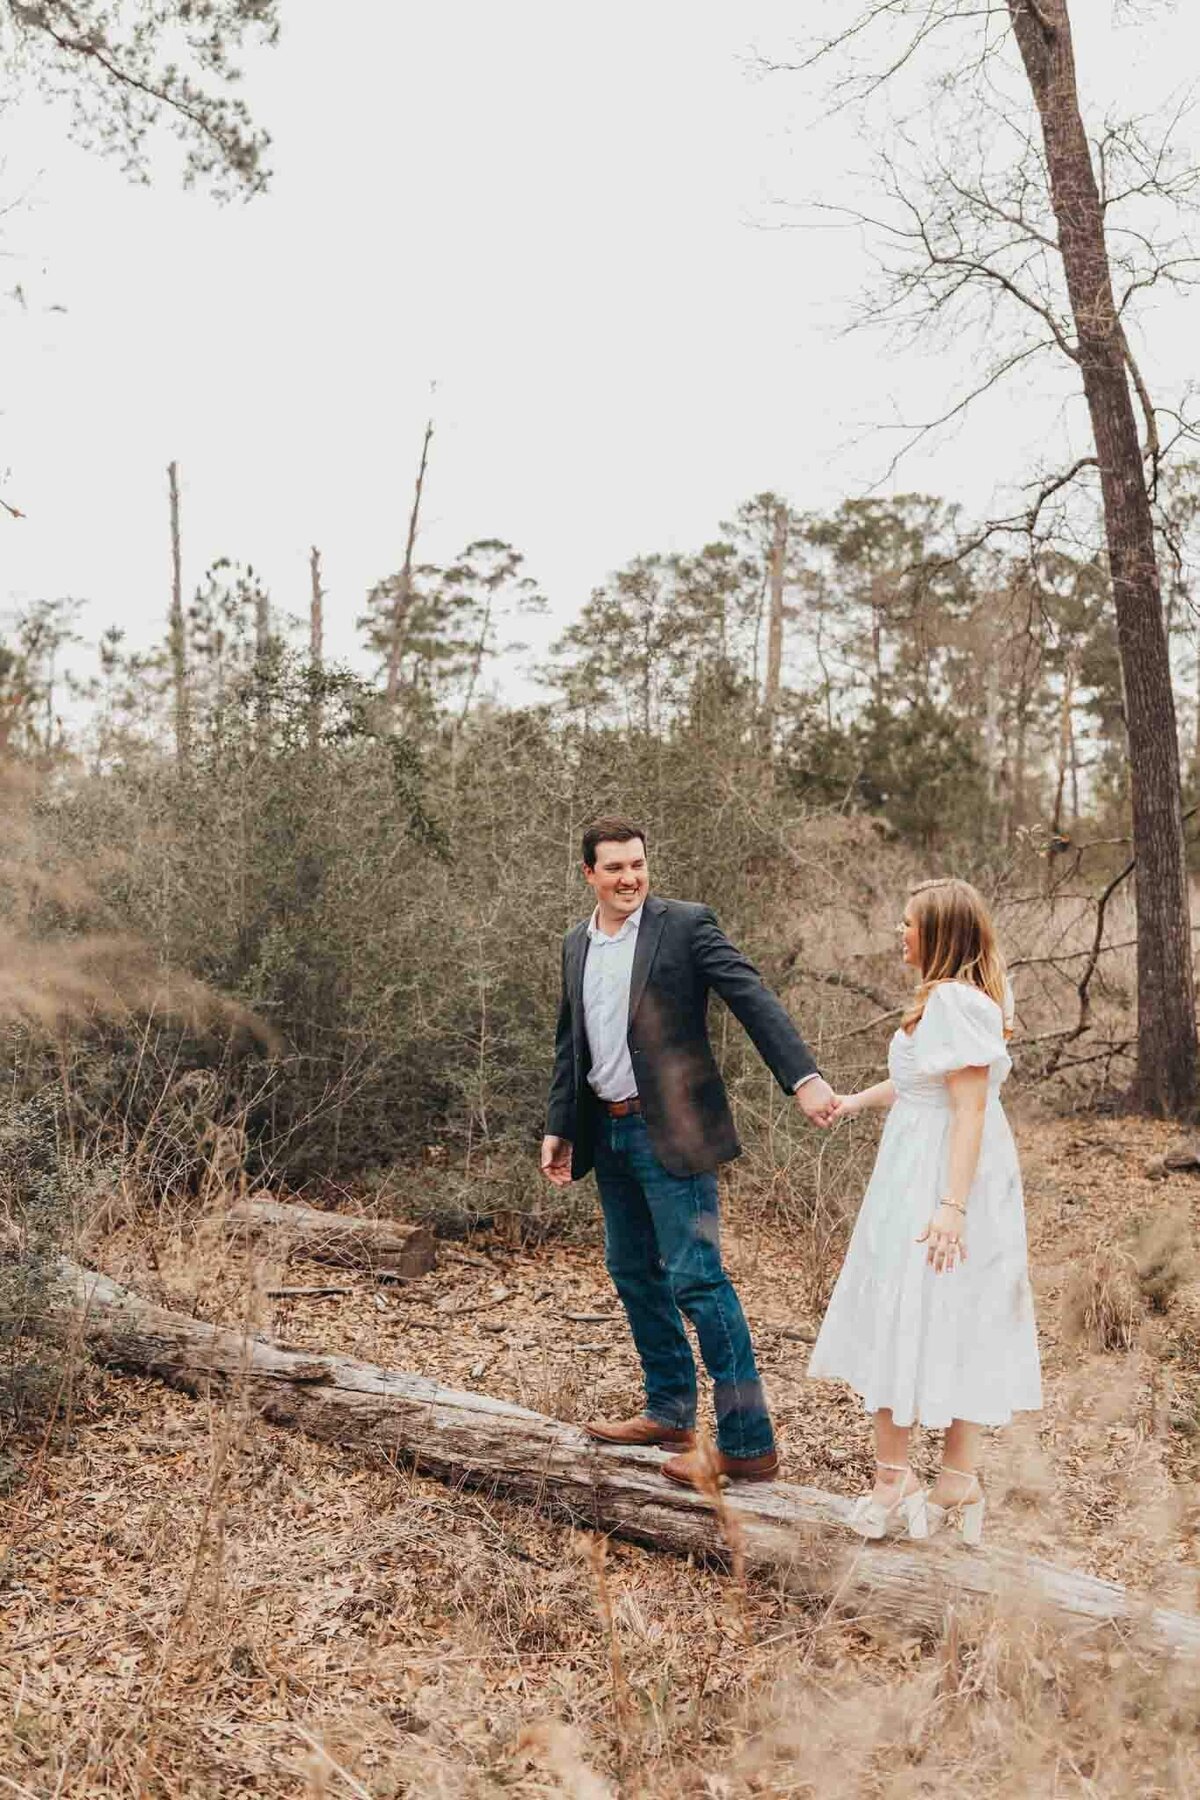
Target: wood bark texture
(384, 1245)
(795, 1533)
(1167, 1050)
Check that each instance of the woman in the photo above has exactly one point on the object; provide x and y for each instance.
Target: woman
(931, 1321)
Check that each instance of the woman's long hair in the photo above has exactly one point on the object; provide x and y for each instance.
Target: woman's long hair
(956, 941)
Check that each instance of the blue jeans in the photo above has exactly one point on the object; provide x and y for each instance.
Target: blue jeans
(662, 1249)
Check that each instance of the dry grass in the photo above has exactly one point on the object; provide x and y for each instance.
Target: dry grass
(200, 1604)
(1103, 1303)
(1164, 1257)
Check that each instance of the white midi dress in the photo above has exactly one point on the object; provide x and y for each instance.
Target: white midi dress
(961, 1344)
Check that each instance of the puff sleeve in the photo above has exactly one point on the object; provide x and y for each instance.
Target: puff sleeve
(961, 1028)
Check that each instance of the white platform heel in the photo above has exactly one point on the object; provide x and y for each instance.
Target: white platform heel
(970, 1510)
(871, 1518)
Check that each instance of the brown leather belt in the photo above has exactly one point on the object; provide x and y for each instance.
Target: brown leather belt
(618, 1109)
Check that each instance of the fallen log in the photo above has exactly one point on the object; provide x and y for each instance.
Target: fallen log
(794, 1532)
(384, 1245)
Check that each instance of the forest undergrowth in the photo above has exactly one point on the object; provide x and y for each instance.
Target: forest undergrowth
(200, 1603)
(270, 974)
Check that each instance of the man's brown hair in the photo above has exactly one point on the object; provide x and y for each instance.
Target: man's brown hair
(610, 828)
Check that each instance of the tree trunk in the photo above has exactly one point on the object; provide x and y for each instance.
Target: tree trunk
(478, 653)
(316, 646)
(991, 707)
(1064, 744)
(384, 1245)
(176, 641)
(1167, 1051)
(403, 600)
(1073, 758)
(779, 547)
(262, 659)
(1016, 799)
(876, 645)
(795, 1533)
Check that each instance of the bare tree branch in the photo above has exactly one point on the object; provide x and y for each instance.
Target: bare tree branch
(123, 76)
(996, 375)
(1153, 445)
(835, 978)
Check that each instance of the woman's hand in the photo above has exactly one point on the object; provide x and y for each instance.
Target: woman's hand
(847, 1106)
(944, 1235)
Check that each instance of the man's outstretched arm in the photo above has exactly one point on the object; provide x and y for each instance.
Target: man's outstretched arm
(765, 1018)
(560, 1109)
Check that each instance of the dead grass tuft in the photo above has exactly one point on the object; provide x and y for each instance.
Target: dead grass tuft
(1102, 1307)
(1164, 1257)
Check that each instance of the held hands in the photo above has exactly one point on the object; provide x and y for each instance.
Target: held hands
(943, 1234)
(556, 1160)
(817, 1101)
(846, 1106)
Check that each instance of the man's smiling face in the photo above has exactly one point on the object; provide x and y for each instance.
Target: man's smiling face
(620, 879)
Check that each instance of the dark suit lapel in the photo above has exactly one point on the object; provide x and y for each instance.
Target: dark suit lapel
(654, 917)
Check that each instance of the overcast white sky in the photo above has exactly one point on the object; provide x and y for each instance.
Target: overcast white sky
(564, 216)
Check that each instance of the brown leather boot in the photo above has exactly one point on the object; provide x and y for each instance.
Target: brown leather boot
(640, 1430)
(700, 1468)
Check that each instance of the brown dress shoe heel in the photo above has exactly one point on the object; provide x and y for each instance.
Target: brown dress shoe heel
(640, 1431)
(701, 1468)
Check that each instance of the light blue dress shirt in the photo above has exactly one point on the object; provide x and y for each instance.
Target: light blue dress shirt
(606, 977)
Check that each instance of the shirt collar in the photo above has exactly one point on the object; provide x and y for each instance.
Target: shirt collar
(627, 930)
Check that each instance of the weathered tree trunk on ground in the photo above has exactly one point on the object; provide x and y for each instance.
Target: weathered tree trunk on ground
(1167, 1050)
(385, 1245)
(794, 1532)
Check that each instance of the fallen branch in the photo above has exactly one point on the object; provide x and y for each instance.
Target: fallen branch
(385, 1245)
(468, 1257)
(797, 1532)
(310, 1293)
(476, 1306)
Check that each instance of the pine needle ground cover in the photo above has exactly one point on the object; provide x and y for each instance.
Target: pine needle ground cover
(198, 1603)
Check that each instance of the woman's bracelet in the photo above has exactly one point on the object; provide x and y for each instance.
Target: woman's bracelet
(957, 1206)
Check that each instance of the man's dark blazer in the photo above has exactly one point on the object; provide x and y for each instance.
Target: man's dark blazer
(682, 954)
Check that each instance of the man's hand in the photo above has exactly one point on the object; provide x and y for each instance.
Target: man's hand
(817, 1101)
(556, 1160)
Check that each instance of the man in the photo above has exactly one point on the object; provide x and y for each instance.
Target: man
(636, 1094)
